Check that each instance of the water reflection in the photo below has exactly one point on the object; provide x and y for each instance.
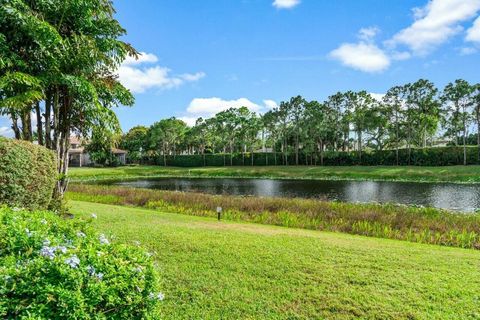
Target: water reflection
(440, 195)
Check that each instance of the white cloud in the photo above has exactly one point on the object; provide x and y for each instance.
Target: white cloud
(465, 51)
(362, 56)
(270, 104)
(285, 4)
(214, 105)
(140, 79)
(190, 121)
(473, 34)
(367, 34)
(208, 107)
(403, 55)
(143, 57)
(435, 23)
(6, 132)
(377, 96)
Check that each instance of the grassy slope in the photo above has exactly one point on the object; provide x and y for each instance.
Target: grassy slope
(227, 270)
(464, 174)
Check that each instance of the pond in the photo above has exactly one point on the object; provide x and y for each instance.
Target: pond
(461, 197)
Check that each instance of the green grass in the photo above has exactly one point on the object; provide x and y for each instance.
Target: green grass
(227, 270)
(458, 174)
(426, 225)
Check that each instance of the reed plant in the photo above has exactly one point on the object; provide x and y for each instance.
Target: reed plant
(416, 224)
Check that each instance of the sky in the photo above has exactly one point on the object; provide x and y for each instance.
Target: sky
(201, 57)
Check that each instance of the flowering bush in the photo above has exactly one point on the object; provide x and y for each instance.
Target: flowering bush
(51, 267)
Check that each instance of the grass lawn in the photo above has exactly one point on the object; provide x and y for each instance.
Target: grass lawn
(228, 270)
(460, 174)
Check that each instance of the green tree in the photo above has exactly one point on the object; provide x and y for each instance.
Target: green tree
(201, 136)
(476, 113)
(165, 135)
(100, 146)
(73, 50)
(359, 104)
(336, 103)
(320, 126)
(135, 142)
(424, 110)
(458, 99)
(296, 109)
(270, 124)
(393, 102)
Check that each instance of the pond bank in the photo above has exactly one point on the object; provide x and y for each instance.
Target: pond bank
(454, 174)
(426, 225)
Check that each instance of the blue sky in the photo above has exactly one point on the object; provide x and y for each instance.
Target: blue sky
(203, 56)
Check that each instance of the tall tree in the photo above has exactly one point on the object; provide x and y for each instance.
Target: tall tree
(476, 114)
(73, 49)
(135, 142)
(393, 101)
(359, 104)
(336, 103)
(424, 107)
(458, 97)
(296, 109)
(320, 125)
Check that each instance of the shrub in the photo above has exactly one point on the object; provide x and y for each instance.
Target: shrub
(56, 268)
(27, 174)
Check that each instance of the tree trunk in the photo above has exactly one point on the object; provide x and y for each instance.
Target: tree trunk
(274, 151)
(27, 125)
(251, 154)
(231, 154)
(62, 132)
(39, 124)
(48, 127)
(243, 154)
(15, 128)
(359, 135)
(478, 134)
(321, 152)
(464, 138)
(397, 142)
(164, 155)
(296, 149)
(409, 147)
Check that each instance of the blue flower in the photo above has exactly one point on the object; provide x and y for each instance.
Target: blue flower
(92, 272)
(73, 261)
(159, 296)
(103, 239)
(48, 252)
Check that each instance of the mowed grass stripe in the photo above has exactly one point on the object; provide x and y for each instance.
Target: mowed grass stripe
(226, 270)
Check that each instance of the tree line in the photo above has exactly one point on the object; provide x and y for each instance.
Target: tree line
(407, 116)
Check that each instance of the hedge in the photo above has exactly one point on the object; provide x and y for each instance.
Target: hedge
(27, 174)
(439, 156)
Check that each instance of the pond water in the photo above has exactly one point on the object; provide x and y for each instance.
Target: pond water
(451, 196)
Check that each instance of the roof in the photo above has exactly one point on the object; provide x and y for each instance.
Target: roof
(118, 151)
(74, 140)
(76, 150)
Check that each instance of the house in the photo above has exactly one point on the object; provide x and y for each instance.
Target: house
(78, 157)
